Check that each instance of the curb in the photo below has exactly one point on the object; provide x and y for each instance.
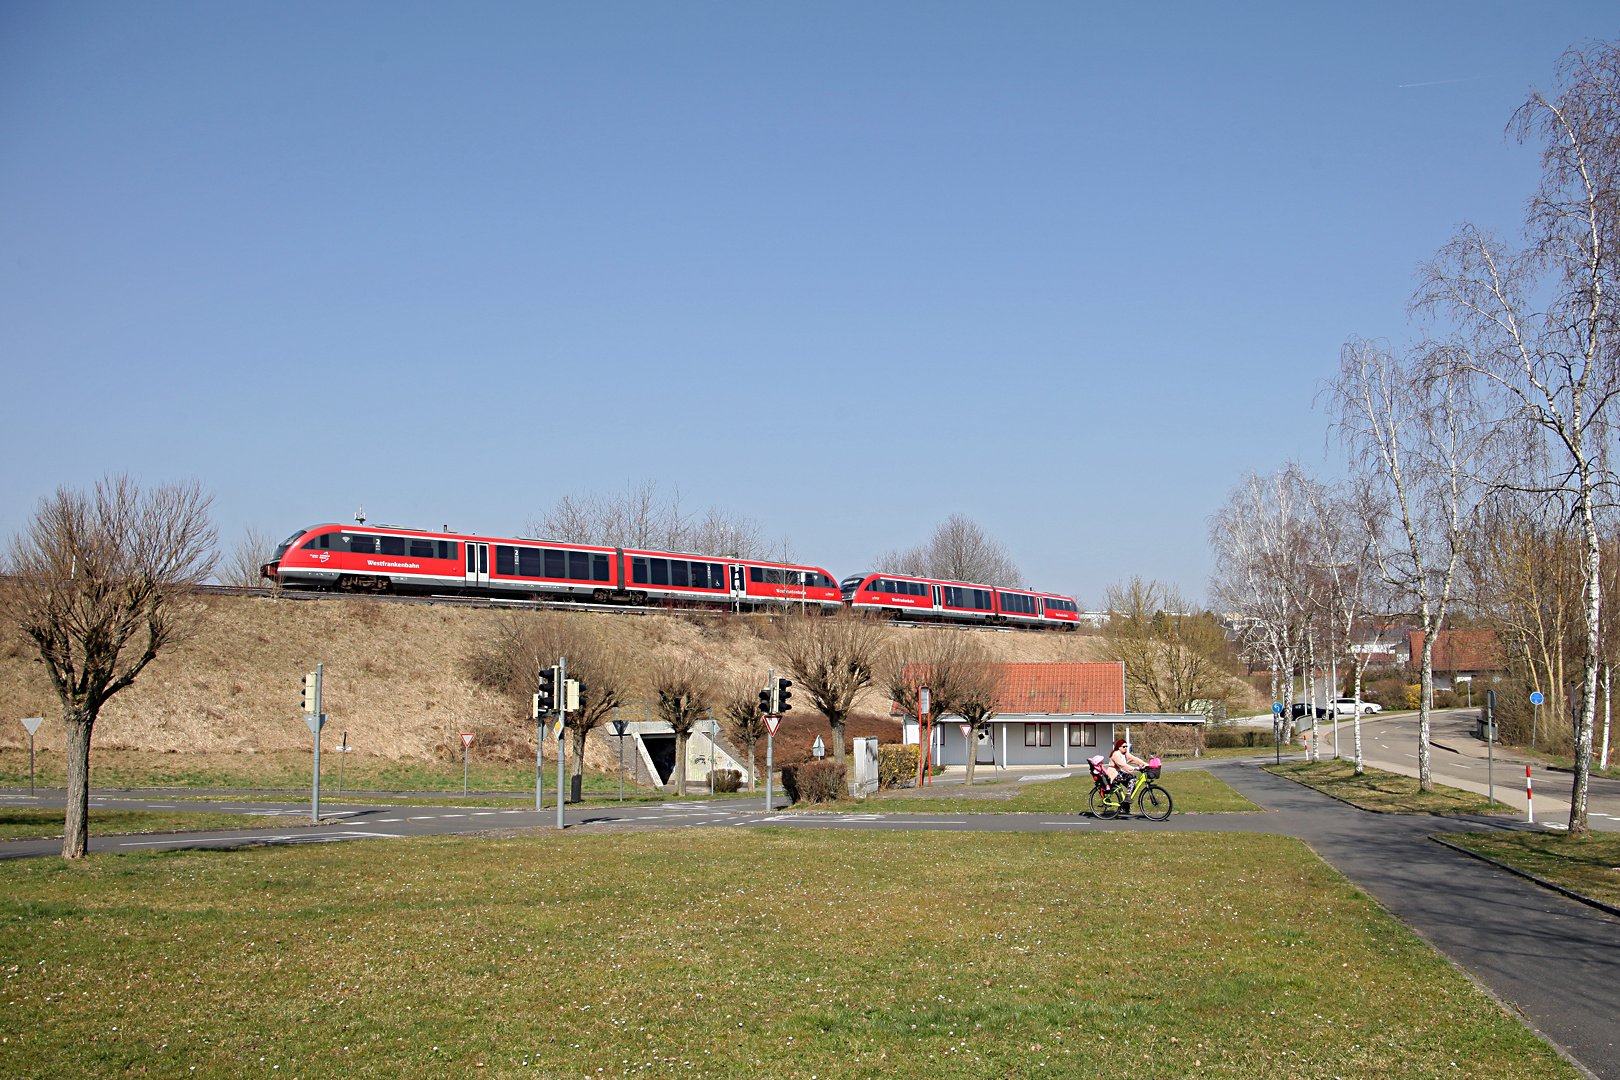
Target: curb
(1543, 882)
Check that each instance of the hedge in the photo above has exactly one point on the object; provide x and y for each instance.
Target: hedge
(727, 780)
(897, 766)
(813, 781)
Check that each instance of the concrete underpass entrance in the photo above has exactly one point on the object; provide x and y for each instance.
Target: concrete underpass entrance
(661, 749)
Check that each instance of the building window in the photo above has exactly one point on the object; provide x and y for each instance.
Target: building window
(1074, 735)
(1032, 734)
(1046, 734)
(1089, 734)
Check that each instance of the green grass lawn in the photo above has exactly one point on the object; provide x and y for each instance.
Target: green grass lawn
(141, 768)
(1376, 789)
(1193, 791)
(733, 953)
(1587, 865)
(21, 823)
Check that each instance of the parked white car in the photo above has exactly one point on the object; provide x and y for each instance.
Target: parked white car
(1346, 706)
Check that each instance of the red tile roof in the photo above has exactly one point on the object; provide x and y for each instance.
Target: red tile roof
(1460, 650)
(1063, 688)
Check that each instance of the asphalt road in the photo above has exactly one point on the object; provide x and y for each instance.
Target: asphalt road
(1555, 960)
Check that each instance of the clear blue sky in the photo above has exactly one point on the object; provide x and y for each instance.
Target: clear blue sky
(1068, 269)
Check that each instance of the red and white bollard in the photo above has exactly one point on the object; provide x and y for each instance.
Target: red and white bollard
(1529, 797)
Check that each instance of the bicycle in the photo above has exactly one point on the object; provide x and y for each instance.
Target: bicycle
(1152, 801)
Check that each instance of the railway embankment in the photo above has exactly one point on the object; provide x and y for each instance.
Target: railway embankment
(397, 679)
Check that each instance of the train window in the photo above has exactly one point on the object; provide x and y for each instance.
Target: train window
(421, 549)
(392, 545)
(918, 589)
(678, 574)
(700, 575)
(531, 562)
(556, 564)
(506, 560)
(599, 568)
(448, 549)
(755, 574)
(322, 542)
(579, 566)
(471, 563)
(638, 570)
(1016, 604)
(660, 571)
(970, 599)
(366, 545)
(717, 575)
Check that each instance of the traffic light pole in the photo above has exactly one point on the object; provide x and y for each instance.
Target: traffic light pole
(316, 722)
(770, 739)
(562, 730)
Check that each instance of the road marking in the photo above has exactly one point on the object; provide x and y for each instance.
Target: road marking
(1065, 823)
(381, 819)
(452, 815)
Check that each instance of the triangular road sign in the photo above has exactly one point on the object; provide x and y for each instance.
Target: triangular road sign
(967, 729)
(466, 739)
(771, 722)
(32, 723)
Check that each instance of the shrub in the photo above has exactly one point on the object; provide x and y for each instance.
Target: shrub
(1173, 738)
(813, 781)
(727, 780)
(897, 766)
(1230, 740)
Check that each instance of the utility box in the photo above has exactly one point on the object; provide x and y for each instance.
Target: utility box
(863, 779)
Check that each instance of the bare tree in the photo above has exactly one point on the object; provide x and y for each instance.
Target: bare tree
(959, 550)
(738, 700)
(241, 568)
(832, 658)
(1416, 442)
(979, 699)
(1173, 654)
(681, 687)
(101, 584)
(1535, 326)
(937, 659)
(641, 517)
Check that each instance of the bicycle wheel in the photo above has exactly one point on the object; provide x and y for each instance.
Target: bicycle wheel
(1155, 803)
(1100, 805)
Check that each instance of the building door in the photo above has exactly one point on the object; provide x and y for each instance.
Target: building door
(984, 749)
(477, 565)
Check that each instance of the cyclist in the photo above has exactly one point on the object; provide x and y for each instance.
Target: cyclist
(1122, 764)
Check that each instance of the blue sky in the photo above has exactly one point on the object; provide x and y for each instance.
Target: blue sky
(846, 269)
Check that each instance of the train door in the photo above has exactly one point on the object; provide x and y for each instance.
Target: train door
(935, 588)
(739, 582)
(477, 565)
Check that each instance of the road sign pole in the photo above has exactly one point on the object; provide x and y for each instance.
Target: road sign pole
(562, 730)
(770, 736)
(32, 724)
(315, 724)
(619, 728)
(1490, 745)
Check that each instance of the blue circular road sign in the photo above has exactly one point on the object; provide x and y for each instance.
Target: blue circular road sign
(1536, 698)
(1276, 708)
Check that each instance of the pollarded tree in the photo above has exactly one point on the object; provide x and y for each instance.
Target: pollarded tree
(101, 583)
(832, 659)
(937, 659)
(979, 698)
(681, 687)
(738, 699)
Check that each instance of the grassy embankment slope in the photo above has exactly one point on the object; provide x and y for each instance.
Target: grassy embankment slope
(734, 953)
(221, 709)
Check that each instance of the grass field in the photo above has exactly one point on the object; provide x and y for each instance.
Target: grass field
(731, 953)
(1193, 791)
(287, 769)
(1376, 789)
(21, 823)
(1587, 865)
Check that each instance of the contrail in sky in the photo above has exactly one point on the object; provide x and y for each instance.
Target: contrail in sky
(1441, 82)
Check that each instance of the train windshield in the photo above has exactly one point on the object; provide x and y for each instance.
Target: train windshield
(281, 548)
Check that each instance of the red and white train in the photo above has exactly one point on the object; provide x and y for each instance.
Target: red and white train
(387, 559)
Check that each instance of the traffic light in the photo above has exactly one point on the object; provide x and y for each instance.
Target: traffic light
(310, 693)
(765, 702)
(782, 696)
(571, 689)
(546, 700)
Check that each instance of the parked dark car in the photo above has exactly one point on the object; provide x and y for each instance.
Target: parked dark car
(1302, 709)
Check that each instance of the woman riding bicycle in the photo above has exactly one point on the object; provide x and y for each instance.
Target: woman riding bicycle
(1122, 763)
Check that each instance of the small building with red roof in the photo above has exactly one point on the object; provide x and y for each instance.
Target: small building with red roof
(1047, 714)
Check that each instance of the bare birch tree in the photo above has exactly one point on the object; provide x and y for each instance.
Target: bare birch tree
(1535, 325)
(1416, 442)
(101, 584)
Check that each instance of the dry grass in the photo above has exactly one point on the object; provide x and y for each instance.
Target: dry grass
(728, 953)
(1376, 789)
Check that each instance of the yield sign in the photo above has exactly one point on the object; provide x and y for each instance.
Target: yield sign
(466, 739)
(967, 729)
(771, 722)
